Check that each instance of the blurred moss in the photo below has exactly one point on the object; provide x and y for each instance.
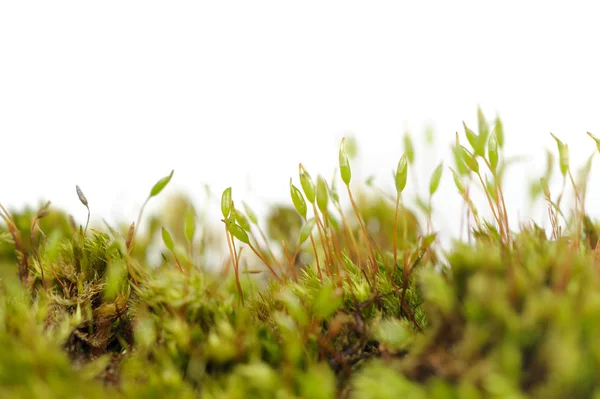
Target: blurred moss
(384, 314)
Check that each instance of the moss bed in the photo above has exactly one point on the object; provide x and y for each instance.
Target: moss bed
(340, 294)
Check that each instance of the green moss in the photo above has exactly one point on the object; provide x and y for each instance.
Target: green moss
(369, 307)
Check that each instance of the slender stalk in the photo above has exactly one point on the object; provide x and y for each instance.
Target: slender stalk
(350, 234)
(137, 224)
(489, 198)
(264, 261)
(577, 201)
(18, 240)
(269, 251)
(235, 267)
(338, 252)
(87, 222)
(500, 196)
(178, 263)
(324, 239)
(291, 261)
(559, 200)
(35, 251)
(312, 240)
(396, 231)
(429, 219)
(364, 230)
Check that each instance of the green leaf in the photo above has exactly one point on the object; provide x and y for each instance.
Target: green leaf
(428, 240)
(161, 184)
(241, 219)
(226, 202)
(409, 148)
(499, 132)
(238, 232)
(472, 138)
(596, 140)
(345, 172)
(190, 225)
(545, 187)
(458, 182)
(493, 151)
(335, 224)
(250, 213)
(322, 194)
(563, 154)
(307, 184)
(168, 240)
(469, 159)
(484, 129)
(436, 176)
(306, 230)
(298, 200)
(460, 164)
(351, 147)
(401, 174)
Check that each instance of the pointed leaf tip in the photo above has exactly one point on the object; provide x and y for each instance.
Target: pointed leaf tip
(401, 173)
(81, 196)
(168, 240)
(306, 230)
(345, 171)
(238, 232)
(322, 194)
(493, 151)
(409, 148)
(298, 200)
(161, 184)
(563, 154)
(436, 176)
(226, 202)
(307, 184)
(597, 140)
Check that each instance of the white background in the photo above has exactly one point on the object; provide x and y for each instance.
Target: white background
(112, 95)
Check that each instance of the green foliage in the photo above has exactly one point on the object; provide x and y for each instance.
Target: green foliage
(345, 171)
(401, 174)
(226, 202)
(436, 177)
(322, 194)
(372, 308)
(563, 155)
(307, 184)
(298, 200)
(161, 184)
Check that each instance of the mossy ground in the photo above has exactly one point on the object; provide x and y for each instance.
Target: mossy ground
(328, 301)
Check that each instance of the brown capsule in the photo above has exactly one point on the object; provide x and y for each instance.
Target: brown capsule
(129, 241)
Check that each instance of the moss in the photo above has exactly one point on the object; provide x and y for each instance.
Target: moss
(357, 301)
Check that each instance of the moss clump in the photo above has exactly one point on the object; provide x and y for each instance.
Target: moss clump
(338, 298)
